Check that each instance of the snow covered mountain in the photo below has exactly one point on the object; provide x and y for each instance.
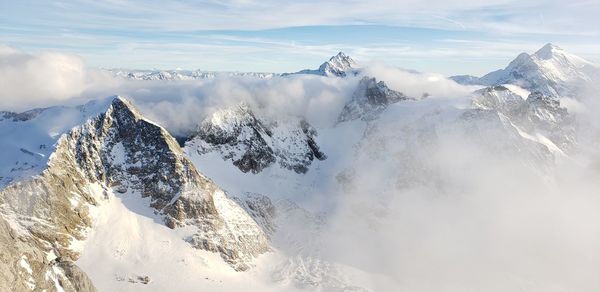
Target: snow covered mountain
(339, 65)
(114, 151)
(182, 74)
(550, 71)
(99, 197)
(536, 117)
(253, 143)
(369, 99)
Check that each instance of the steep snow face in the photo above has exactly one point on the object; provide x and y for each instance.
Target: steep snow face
(339, 65)
(550, 71)
(129, 250)
(369, 99)
(499, 98)
(178, 75)
(253, 143)
(29, 138)
(539, 118)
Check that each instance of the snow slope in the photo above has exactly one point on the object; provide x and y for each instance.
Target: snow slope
(29, 138)
(550, 71)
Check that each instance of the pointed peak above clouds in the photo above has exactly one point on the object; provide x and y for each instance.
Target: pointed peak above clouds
(550, 71)
(337, 66)
(548, 51)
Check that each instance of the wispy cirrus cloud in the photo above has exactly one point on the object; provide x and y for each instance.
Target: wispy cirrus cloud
(290, 35)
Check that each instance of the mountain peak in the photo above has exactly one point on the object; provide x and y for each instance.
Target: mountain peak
(550, 70)
(341, 54)
(548, 51)
(369, 99)
(117, 99)
(337, 66)
(341, 57)
(124, 105)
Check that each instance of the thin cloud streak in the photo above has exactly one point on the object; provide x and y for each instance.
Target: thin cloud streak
(282, 36)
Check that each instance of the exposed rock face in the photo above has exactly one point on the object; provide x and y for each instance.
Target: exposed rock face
(42, 217)
(78, 279)
(253, 144)
(129, 153)
(26, 267)
(369, 99)
(126, 151)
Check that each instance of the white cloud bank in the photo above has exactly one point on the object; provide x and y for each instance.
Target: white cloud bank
(29, 80)
(41, 79)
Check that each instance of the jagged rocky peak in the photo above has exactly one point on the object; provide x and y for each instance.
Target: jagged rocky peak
(119, 150)
(133, 155)
(253, 143)
(369, 99)
(339, 65)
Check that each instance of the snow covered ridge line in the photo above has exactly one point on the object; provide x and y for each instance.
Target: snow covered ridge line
(182, 74)
(121, 150)
(549, 71)
(340, 65)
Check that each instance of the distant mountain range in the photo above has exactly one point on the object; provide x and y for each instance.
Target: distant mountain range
(339, 65)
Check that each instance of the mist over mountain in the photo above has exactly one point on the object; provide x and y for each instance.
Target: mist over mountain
(349, 177)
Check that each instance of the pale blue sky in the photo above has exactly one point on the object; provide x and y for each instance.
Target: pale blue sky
(450, 37)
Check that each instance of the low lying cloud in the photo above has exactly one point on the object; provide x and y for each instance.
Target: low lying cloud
(49, 78)
(41, 79)
(417, 84)
(449, 215)
(181, 105)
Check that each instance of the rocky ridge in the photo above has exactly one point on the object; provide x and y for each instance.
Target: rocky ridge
(253, 143)
(369, 99)
(48, 216)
